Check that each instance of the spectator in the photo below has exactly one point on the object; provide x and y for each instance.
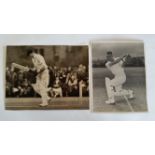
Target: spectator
(81, 73)
(64, 81)
(73, 85)
(57, 90)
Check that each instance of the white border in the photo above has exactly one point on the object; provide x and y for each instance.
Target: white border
(76, 114)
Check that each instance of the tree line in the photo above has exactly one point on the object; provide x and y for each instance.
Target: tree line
(138, 61)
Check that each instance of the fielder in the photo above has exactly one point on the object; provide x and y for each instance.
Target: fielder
(114, 86)
(42, 78)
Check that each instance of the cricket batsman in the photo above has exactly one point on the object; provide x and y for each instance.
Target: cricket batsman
(42, 78)
(114, 86)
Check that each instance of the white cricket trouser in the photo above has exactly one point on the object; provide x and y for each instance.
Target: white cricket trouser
(41, 85)
(117, 83)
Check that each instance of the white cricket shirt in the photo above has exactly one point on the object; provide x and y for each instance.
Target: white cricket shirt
(39, 62)
(116, 69)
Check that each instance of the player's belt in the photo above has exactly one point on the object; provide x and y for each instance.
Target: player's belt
(46, 68)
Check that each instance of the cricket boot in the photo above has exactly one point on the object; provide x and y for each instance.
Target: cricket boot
(111, 101)
(131, 94)
(44, 104)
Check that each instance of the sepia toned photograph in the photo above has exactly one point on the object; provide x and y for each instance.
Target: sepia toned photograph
(119, 81)
(46, 77)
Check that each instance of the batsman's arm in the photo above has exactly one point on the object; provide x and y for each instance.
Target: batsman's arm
(118, 60)
(20, 67)
(125, 57)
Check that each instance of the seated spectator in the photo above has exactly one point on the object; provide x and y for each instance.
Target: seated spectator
(85, 87)
(26, 90)
(8, 89)
(64, 81)
(63, 77)
(8, 74)
(57, 90)
(81, 72)
(15, 92)
(73, 86)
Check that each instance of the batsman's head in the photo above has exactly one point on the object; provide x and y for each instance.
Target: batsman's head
(30, 52)
(109, 56)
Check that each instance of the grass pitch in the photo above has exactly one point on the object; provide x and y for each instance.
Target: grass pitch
(55, 103)
(135, 81)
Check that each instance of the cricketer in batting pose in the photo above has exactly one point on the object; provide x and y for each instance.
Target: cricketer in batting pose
(114, 86)
(42, 78)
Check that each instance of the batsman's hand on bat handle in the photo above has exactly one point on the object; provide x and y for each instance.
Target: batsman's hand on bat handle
(124, 57)
(27, 69)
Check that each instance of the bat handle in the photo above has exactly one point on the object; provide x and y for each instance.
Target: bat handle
(27, 69)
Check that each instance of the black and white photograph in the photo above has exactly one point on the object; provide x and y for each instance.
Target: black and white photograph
(118, 76)
(47, 77)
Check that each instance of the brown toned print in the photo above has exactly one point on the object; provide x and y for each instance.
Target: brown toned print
(47, 77)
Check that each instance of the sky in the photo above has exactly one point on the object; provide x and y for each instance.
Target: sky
(119, 49)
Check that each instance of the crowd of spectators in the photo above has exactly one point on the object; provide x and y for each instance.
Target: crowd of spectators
(64, 82)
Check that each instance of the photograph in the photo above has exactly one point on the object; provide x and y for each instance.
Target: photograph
(47, 77)
(118, 76)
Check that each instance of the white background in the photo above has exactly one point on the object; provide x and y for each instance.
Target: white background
(82, 17)
(149, 41)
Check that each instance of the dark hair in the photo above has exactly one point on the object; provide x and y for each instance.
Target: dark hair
(36, 50)
(29, 51)
(109, 53)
